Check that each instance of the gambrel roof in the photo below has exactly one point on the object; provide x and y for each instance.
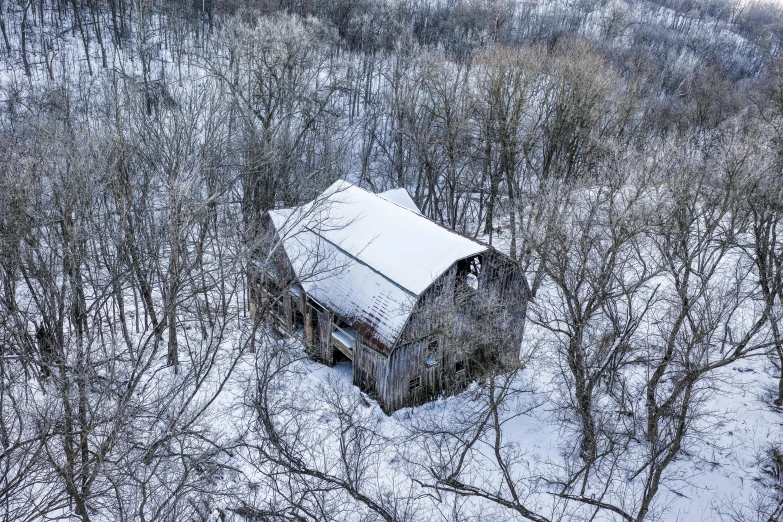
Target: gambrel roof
(368, 256)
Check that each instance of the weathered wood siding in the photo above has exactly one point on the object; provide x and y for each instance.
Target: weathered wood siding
(375, 365)
(481, 330)
(430, 322)
(320, 348)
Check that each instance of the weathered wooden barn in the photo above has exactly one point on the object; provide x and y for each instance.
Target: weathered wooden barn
(418, 309)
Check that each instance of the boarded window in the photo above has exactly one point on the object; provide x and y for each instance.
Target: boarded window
(414, 383)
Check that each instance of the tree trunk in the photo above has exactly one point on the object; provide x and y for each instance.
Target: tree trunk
(3, 29)
(23, 31)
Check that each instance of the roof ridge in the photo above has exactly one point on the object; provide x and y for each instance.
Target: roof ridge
(352, 256)
(421, 215)
(378, 195)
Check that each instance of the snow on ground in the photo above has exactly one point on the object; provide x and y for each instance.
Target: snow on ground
(723, 470)
(743, 426)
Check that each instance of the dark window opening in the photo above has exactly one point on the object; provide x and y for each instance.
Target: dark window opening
(468, 271)
(298, 319)
(432, 352)
(339, 357)
(414, 383)
(340, 323)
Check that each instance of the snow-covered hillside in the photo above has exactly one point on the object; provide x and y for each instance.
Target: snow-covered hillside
(626, 154)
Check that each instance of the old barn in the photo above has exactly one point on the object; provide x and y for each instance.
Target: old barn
(418, 309)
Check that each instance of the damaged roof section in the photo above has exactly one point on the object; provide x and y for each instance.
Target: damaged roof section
(368, 256)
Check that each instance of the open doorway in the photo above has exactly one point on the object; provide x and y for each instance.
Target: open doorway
(343, 366)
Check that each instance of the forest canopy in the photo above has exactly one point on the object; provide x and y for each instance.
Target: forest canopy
(627, 154)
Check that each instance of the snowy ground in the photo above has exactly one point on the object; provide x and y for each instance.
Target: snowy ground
(722, 471)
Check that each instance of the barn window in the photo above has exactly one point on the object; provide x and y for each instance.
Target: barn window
(432, 351)
(468, 271)
(414, 383)
(459, 366)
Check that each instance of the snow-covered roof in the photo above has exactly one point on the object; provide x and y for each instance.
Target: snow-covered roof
(366, 257)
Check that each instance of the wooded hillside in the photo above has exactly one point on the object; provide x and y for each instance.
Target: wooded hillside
(627, 154)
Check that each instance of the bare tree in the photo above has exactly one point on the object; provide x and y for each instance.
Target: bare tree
(590, 245)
